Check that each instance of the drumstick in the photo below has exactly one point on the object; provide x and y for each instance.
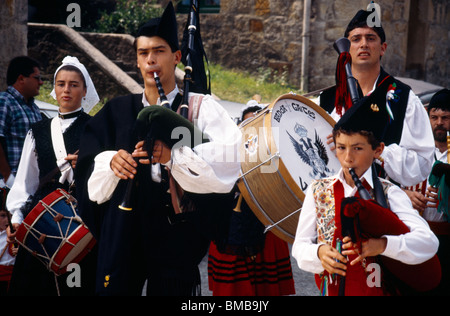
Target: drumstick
(11, 227)
(237, 209)
(49, 176)
(75, 153)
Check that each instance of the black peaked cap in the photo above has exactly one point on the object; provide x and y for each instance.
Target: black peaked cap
(165, 27)
(360, 20)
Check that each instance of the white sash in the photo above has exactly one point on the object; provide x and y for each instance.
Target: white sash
(60, 152)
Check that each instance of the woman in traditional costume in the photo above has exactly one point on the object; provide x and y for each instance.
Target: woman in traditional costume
(47, 163)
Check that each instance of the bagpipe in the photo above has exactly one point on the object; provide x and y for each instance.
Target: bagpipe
(157, 123)
(363, 217)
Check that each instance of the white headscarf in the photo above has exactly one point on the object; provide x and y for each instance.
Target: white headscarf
(91, 98)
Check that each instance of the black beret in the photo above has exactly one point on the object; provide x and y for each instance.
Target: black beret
(440, 100)
(165, 27)
(360, 20)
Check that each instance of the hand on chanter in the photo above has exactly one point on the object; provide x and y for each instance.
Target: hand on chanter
(432, 197)
(370, 248)
(332, 261)
(418, 200)
(123, 165)
(161, 153)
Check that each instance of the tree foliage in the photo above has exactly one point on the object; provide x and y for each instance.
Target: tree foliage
(128, 16)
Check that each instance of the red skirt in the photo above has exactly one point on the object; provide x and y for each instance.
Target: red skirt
(267, 274)
(5, 273)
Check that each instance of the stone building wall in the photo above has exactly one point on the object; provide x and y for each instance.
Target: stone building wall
(254, 34)
(268, 33)
(329, 23)
(437, 47)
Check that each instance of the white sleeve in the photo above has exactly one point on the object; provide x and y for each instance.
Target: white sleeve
(103, 181)
(305, 246)
(417, 246)
(211, 167)
(410, 162)
(26, 182)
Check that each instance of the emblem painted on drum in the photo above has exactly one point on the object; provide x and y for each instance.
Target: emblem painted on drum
(303, 128)
(251, 145)
(312, 153)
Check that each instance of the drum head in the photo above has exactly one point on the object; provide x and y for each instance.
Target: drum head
(302, 128)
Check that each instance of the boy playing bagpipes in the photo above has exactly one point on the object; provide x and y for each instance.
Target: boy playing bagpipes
(354, 245)
(152, 240)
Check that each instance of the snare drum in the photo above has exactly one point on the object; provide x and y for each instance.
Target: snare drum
(54, 233)
(284, 148)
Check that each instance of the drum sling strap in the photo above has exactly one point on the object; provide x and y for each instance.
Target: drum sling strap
(60, 152)
(62, 165)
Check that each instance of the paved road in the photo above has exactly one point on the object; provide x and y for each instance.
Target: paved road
(304, 281)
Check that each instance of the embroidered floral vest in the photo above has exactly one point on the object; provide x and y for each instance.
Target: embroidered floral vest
(323, 192)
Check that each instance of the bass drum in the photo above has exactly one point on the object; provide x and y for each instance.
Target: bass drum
(284, 148)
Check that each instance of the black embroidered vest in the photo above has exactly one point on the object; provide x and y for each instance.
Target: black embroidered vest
(47, 159)
(398, 105)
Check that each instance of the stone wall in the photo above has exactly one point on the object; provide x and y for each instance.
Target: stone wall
(49, 47)
(13, 33)
(252, 34)
(437, 52)
(328, 24)
(255, 34)
(119, 49)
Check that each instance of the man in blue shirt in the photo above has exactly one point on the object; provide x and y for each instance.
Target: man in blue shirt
(17, 112)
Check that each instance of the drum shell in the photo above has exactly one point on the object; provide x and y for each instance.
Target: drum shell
(66, 241)
(270, 190)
